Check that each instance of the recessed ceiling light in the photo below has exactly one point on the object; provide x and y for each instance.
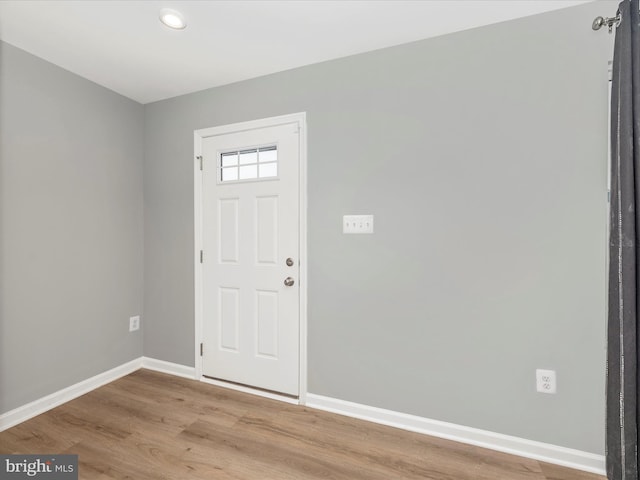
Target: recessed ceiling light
(172, 19)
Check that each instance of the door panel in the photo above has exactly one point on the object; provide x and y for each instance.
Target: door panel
(267, 230)
(228, 230)
(229, 308)
(267, 323)
(250, 228)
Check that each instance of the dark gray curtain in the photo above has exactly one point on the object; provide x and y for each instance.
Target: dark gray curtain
(623, 407)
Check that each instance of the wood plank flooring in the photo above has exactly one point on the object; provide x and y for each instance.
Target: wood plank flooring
(148, 425)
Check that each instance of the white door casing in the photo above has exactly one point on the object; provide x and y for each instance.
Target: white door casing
(251, 325)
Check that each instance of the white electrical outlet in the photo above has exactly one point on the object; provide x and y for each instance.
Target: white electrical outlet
(546, 381)
(134, 323)
(357, 224)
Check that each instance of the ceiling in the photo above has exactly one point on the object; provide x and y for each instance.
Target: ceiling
(123, 46)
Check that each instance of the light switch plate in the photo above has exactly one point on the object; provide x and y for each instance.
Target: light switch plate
(357, 224)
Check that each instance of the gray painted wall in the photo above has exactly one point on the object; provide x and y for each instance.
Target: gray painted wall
(71, 228)
(482, 155)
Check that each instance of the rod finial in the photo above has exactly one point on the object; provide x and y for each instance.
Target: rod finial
(598, 22)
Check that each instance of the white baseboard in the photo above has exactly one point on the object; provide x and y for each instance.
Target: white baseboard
(169, 367)
(30, 410)
(568, 457)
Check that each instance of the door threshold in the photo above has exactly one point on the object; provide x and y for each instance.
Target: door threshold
(282, 397)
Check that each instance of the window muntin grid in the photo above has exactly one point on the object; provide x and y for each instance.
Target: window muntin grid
(249, 164)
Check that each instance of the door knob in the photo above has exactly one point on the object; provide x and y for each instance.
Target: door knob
(288, 281)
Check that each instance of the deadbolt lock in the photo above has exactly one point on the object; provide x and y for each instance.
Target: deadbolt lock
(289, 262)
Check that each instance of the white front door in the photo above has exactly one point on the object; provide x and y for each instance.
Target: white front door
(250, 261)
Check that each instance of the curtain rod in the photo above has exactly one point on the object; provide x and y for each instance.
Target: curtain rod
(599, 22)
